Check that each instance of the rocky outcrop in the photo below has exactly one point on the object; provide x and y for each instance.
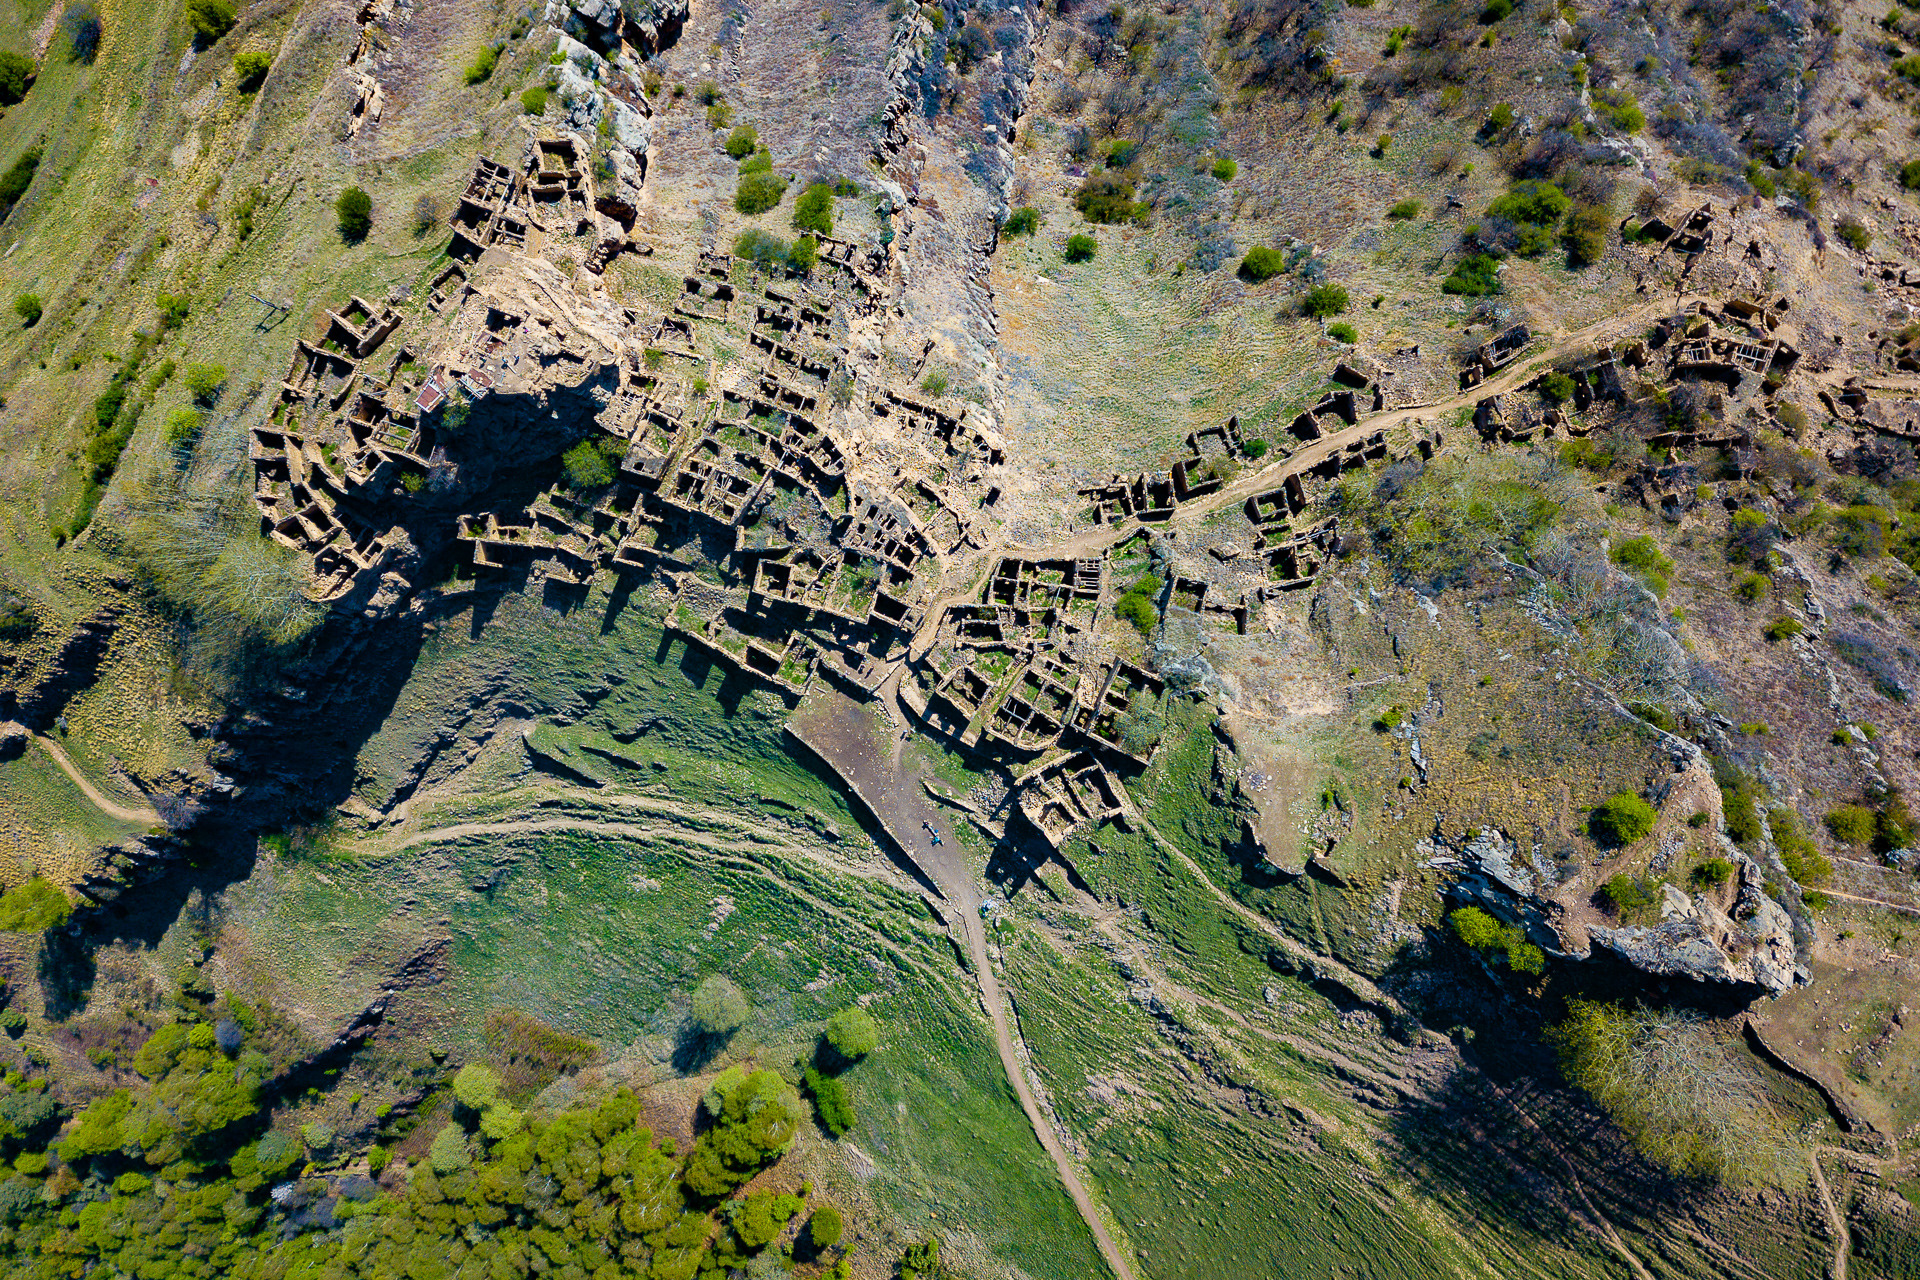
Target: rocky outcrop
(1750, 952)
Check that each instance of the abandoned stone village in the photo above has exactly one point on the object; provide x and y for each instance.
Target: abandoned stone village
(806, 512)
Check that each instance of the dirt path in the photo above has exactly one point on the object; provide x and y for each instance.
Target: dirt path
(844, 734)
(145, 817)
(1871, 902)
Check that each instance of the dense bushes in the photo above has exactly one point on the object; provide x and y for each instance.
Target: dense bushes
(813, 211)
(533, 100)
(481, 68)
(755, 1116)
(1642, 557)
(1489, 936)
(742, 142)
(34, 906)
(1136, 604)
(1476, 275)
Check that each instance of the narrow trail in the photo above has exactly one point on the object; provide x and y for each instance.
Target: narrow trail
(1871, 902)
(842, 733)
(1842, 1242)
(145, 817)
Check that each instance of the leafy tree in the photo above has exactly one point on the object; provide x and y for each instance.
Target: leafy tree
(755, 1118)
(250, 70)
(1081, 248)
(719, 1007)
(804, 255)
(1481, 931)
(354, 208)
(1621, 819)
(813, 211)
(33, 907)
(205, 381)
(210, 19)
(27, 307)
(183, 428)
(1324, 300)
(1557, 387)
(16, 74)
(760, 188)
(1262, 264)
(586, 467)
(1585, 235)
(761, 247)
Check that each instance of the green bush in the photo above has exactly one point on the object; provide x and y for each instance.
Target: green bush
(1081, 247)
(1851, 824)
(1262, 264)
(210, 19)
(1620, 109)
(250, 70)
(1403, 210)
(1853, 233)
(1783, 629)
(1586, 455)
(853, 1033)
(33, 907)
(742, 141)
(533, 100)
(1531, 203)
(813, 211)
(1105, 198)
(1642, 557)
(1585, 235)
(759, 191)
(1482, 932)
(205, 381)
(1496, 11)
(80, 25)
(804, 254)
(1500, 119)
(1798, 854)
(1225, 170)
(354, 209)
(16, 73)
(1136, 604)
(1474, 276)
(18, 177)
(1714, 871)
(1621, 819)
(27, 307)
(1323, 300)
(1343, 333)
(1557, 387)
(719, 1007)
(762, 248)
(1623, 894)
(824, 1228)
(183, 428)
(1023, 221)
(1256, 448)
(1910, 175)
(481, 68)
(832, 1101)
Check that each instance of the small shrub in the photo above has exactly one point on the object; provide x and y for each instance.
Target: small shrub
(1783, 629)
(1699, 820)
(1750, 588)
(1532, 203)
(1853, 233)
(759, 191)
(1256, 448)
(1262, 264)
(1585, 235)
(481, 68)
(250, 70)
(1910, 175)
(427, 214)
(1624, 894)
(1081, 247)
(1557, 387)
(1496, 11)
(205, 381)
(813, 211)
(1225, 170)
(1396, 38)
(16, 73)
(210, 19)
(1403, 210)
(533, 100)
(804, 254)
(824, 1228)
(852, 1033)
(742, 141)
(1484, 933)
(1851, 824)
(1343, 333)
(760, 247)
(1798, 854)
(1324, 300)
(354, 209)
(27, 307)
(1106, 199)
(1475, 276)
(1621, 819)
(831, 1101)
(936, 382)
(183, 428)
(1500, 119)
(1023, 221)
